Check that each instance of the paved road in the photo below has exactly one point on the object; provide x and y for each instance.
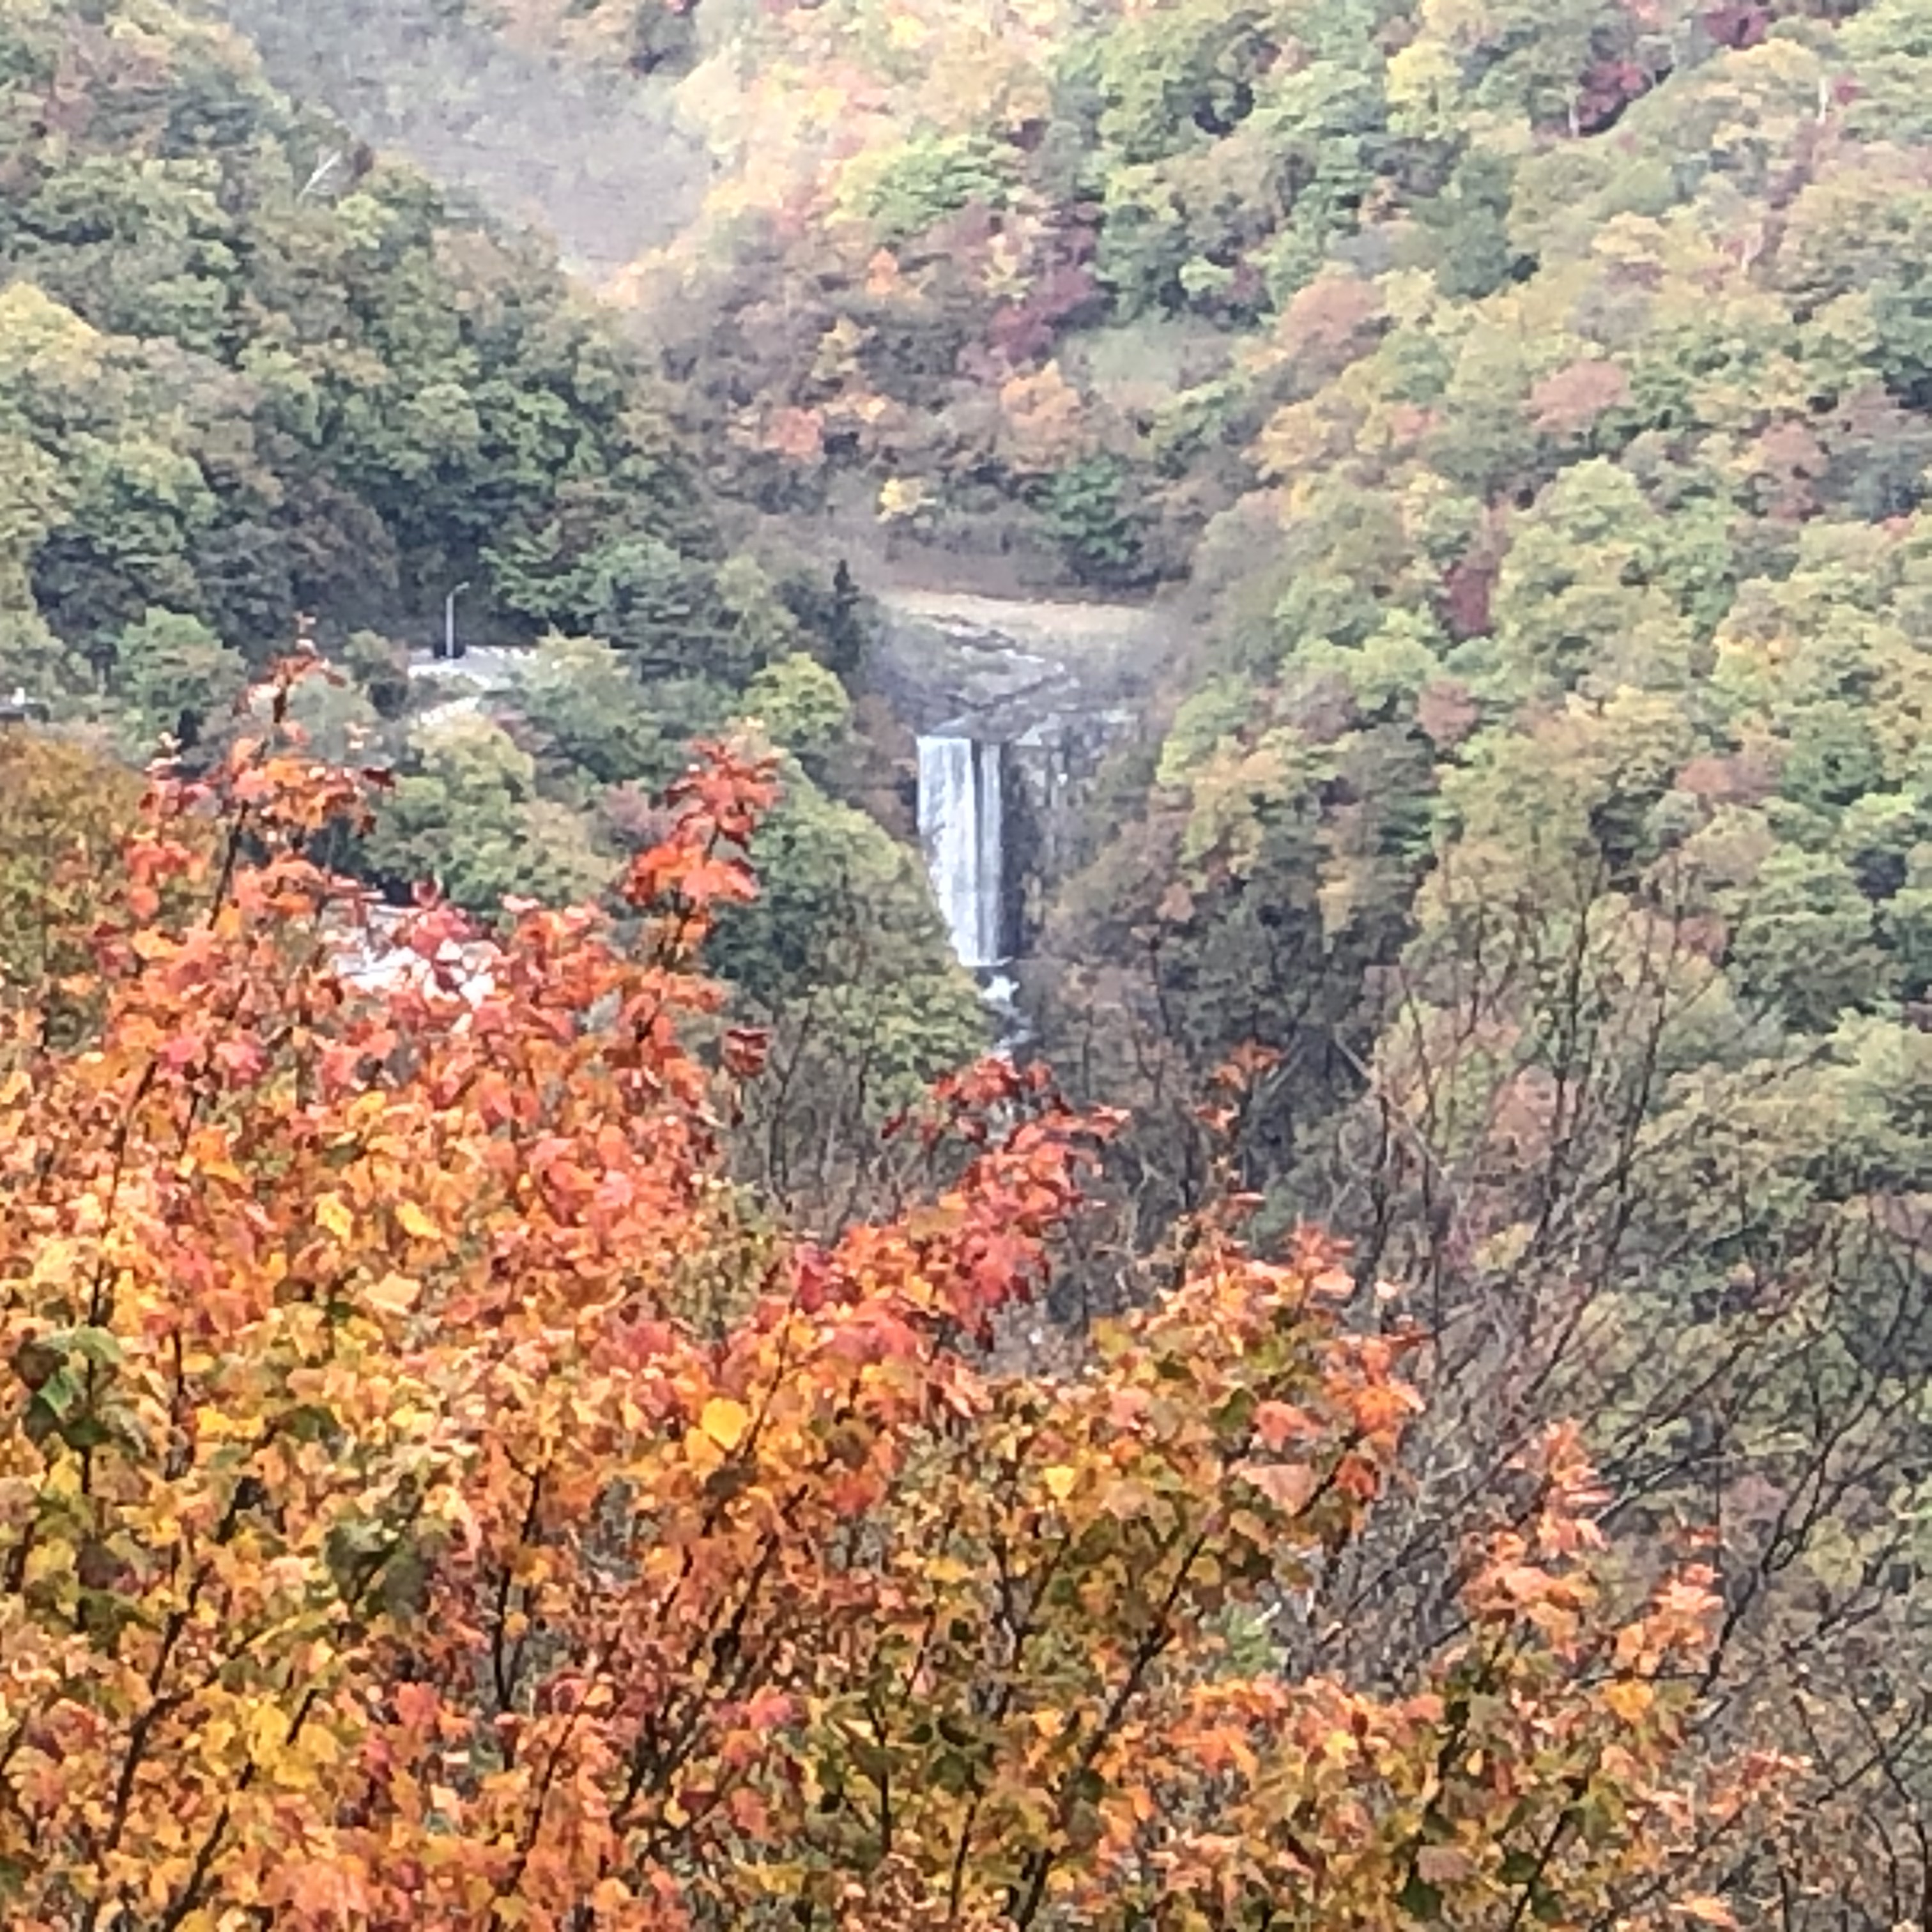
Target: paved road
(483, 672)
(487, 667)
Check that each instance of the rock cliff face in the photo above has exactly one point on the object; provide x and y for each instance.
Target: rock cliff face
(1055, 686)
(1006, 663)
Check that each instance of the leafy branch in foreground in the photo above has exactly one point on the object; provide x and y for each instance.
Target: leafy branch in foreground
(433, 1496)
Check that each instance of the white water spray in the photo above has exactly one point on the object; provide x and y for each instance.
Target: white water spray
(960, 825)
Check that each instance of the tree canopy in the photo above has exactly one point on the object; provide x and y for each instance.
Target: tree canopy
(1531, 399)
(434, 1495)
(255, 382)
(1526, 875)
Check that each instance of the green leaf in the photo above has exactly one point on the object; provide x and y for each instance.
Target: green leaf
(58, 1393)
(92, 1345)
(1420, 1899)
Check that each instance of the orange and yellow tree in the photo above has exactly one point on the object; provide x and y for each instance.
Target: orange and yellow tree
(64, 811)
(431, 1495)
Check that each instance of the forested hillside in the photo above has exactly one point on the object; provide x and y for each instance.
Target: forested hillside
(250, 373)
(1526, 877)
(1058, 265)
(1536, 397)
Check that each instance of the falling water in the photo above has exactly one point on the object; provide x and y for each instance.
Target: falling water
(959, 822)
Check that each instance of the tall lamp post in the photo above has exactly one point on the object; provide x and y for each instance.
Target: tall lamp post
(450, 647)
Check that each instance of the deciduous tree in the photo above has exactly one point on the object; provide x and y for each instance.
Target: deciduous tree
(431, 1499)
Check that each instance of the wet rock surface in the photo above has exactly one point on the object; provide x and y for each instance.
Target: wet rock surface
(1055, 686)
(1002, 668)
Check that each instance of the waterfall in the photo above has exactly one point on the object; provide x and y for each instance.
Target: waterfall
(960, 825)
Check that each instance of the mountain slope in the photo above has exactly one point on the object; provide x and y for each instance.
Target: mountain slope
(250, 371)
(254, 377)
(594, 161)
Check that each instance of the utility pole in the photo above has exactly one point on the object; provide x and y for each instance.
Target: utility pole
(450, 647)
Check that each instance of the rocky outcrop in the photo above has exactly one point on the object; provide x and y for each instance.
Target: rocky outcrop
(1003, 663)
(1056, 685)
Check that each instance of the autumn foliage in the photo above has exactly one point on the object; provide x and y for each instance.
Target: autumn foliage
(433, 1496)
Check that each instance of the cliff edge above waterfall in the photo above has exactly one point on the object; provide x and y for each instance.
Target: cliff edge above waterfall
(1004, 664)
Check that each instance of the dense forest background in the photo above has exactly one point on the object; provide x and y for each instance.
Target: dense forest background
(257, 376)
(1528, 405)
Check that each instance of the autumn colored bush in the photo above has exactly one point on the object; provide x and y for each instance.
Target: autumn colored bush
(64, 809)
(433, 1496)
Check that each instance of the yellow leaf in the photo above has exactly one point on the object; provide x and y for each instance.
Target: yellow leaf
(395, 1293)
(332, 1212)
(49, 1557)
(1630, 1699)
(1707, 1911)
(902, 497)
(1060, 1481)
(267, 1734)
(415, 1222)
(725, 1421)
